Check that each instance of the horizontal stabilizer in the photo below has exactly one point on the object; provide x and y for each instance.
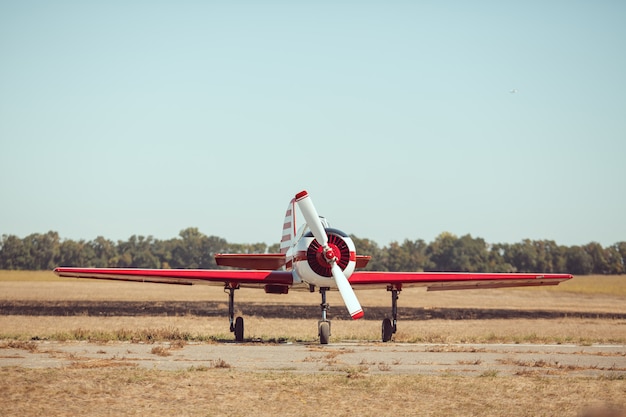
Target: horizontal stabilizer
(266, 261)
(362, 261)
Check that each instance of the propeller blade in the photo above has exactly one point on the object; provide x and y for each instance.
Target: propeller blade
(315, 224)
(347, 293)
(311, 217)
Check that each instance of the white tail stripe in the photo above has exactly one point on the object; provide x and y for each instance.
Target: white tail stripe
(289, 227)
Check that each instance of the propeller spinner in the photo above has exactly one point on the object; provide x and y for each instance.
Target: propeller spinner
(317, 229)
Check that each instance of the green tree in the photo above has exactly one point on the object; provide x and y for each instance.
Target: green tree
(163, 249)
(193, 249)
(621, 248)
(137, 253)
(579, 262)
(396, 257)
(472, 254)
(196, 250)
(44, 250)
(105, 252)
(523, 256)
(465, 254)
(598, 258)
(614, 260)
(72, 253)
(441, 252)
(14, 254)
(496, 261)
(246, 247)
(410, 256)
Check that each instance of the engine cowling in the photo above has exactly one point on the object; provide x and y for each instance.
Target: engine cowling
(312, 265)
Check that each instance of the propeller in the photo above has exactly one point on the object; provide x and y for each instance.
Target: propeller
(315, 225)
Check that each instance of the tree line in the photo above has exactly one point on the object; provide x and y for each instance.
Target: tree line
(193, 249)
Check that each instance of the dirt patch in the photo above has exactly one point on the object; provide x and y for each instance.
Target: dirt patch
(349, 359)
(218, 309)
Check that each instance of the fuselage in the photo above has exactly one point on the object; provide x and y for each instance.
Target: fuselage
(308, 263)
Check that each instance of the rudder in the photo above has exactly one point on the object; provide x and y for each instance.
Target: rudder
(289, 227)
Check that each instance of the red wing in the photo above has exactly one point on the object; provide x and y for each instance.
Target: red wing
(435, 281)
(182, 276)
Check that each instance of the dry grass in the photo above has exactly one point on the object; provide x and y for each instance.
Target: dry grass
(541, 363)
(221, 391)
(150, 329)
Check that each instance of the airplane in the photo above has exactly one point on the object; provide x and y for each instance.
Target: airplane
(314, 256)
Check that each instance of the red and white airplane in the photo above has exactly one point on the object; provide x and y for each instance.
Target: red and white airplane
(315, 256)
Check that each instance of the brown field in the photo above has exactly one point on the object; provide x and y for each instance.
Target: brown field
(38, 305)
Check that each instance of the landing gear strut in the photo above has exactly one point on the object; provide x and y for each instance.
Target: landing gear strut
(236, 325)
(323, 325)
(390, 325)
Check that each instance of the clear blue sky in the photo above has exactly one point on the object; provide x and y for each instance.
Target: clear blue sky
(147, 117)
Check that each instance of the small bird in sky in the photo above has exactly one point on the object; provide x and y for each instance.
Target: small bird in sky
(513, 91)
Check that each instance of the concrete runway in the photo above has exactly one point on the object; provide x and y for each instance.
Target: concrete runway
(348, 357)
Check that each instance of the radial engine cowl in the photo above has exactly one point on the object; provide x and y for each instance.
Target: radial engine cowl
(312, 263)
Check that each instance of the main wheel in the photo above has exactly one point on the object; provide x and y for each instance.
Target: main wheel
(239, 329)
(387, 330)
(324, 332)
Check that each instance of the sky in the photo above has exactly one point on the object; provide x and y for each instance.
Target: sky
(403, 119)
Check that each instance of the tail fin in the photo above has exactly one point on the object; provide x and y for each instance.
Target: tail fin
(289, 227)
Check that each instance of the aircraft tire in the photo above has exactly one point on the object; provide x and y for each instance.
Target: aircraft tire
(387, 330)
(324, 331)
(239, 329)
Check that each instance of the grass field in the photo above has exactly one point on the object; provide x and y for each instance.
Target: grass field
(224, 392)
(585, 310)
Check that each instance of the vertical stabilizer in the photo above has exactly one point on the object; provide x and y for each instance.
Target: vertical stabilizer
(289, 227)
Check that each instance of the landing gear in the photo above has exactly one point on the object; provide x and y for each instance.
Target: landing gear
(236, 325)
(387, 330)
(323, 325)
(238, 329)
(390, 325)
(324, 332)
